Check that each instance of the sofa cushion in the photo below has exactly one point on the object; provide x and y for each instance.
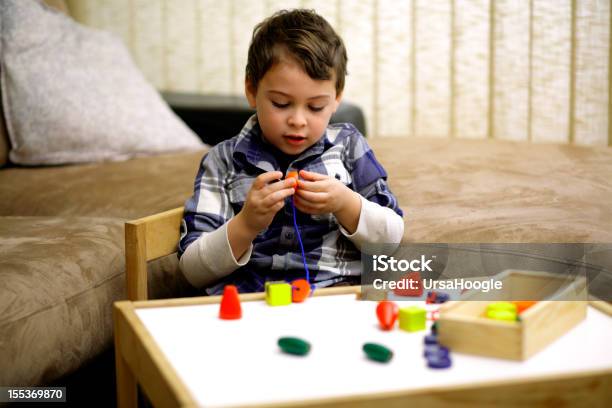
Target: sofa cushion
(499, 191)
(60, 277)
(126, 190)
(73, 94)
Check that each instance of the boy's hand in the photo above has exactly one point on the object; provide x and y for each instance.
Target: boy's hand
(265, 198)
(320, 194)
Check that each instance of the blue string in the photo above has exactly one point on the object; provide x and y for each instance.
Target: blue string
(297, 231)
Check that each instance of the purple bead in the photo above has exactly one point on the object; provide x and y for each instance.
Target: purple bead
(441, 297)
(438, 362)
(431, 339)
(435, 350)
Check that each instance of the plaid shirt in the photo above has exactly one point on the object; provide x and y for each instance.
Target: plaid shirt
(225, 176)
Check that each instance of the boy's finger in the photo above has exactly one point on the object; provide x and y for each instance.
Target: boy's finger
(266, 178)
(311, 196)
(280, 185)
(277, 207)
(311, 185)
(312, 176)
(289, 182)
(304, 206)
(277, 196)
(300, 204)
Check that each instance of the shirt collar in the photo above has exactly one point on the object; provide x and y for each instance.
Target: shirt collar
(251, 147)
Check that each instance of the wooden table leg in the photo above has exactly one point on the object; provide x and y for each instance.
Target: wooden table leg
(127, 393)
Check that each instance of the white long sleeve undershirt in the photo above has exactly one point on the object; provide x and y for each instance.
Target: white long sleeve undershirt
(210, 257)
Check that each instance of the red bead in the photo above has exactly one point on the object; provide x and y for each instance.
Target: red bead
(230, 304)
(417, 285)
(387, 313)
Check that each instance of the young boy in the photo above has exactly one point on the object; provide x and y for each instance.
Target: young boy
(239, 227)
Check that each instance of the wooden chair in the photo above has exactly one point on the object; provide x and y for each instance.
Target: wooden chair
(147, 239)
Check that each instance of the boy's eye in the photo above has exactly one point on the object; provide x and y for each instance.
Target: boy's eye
(316, 108)
(280, 105)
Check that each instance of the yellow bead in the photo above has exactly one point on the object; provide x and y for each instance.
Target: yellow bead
(278, 293)
(412, 318)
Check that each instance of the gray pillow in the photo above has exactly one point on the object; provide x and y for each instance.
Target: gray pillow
(73, 94)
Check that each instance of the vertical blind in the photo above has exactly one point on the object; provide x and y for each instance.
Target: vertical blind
(531, 70)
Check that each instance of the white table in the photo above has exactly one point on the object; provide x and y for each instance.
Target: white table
(183, 354)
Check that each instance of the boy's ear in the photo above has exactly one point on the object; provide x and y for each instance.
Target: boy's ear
(337, 101)
(250, 92)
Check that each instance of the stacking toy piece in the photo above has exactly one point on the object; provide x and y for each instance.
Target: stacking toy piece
(377, 352)
(501, 311)
(522, 305)
(294, 345)
(278, 293)
(414, 285)
(501, 315)
(507, 306)
(436, 297)
(230, 308)
(300, 289)
(412, 318)
(437, 356)
(386, 312)
(431, 339)
(435, 350)
(438, 361)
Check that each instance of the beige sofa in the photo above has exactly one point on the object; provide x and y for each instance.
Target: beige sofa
(62, 258)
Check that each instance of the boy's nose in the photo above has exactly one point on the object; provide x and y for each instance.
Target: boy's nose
(297, 119)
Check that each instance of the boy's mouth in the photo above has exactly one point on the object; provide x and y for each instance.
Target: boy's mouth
(295, 139)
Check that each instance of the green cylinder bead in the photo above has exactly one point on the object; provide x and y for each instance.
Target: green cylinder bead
(294, 345)
(377, 352)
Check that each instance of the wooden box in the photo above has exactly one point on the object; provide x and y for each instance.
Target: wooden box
(463, 327)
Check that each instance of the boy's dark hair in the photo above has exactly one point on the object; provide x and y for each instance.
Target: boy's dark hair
(306, 36)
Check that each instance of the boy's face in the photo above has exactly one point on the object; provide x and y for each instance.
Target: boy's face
(293, 109)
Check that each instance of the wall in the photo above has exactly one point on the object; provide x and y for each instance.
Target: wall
(535, 70)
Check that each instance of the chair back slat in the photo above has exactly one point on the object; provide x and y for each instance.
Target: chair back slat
(147, 239)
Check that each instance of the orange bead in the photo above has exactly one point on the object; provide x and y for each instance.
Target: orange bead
(293, 174)
(300, 289)
(522, 305)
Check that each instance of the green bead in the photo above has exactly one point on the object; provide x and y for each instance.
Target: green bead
(377, 352)
(293, 345)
